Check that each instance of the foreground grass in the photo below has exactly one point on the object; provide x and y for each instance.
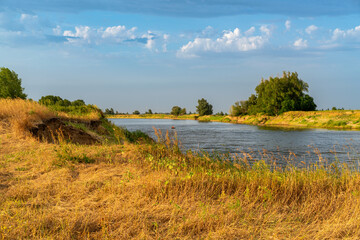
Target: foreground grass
(153, 191)
(333, 119)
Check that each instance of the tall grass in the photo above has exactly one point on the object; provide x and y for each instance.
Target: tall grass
(153, 191)
(22, 114)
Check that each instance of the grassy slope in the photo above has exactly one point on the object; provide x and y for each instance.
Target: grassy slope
(338, 119)
(152, 191)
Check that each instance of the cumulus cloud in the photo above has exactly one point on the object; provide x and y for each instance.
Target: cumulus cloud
(114, 34)
(349, 34)
(310, 29)
(300, 44)
(287, 25)
(229, 42)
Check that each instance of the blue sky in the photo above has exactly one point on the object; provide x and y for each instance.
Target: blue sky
(141, 54)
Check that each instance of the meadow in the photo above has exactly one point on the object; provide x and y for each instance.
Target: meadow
(127, 186)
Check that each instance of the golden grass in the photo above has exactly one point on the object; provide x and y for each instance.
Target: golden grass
(21, 114)
(153, 191)
(130, 191)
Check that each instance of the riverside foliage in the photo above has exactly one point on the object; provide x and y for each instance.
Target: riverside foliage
(277, 95)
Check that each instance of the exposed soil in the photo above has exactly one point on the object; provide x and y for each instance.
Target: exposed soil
(54, 130)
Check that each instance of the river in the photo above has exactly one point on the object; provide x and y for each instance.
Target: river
(284, 145)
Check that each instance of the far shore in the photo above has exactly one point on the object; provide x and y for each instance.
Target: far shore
(332, 119)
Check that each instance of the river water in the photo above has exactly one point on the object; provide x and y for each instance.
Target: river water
(284, 145)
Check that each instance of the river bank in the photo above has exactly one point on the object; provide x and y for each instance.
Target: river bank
(126, 187)
(332, 119)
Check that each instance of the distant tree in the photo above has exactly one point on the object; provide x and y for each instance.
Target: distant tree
(183, 111)
(10, 84)
(149, 112)
(78, 102)
(176, 110)
(277, 95)
(50, 100)
(204, 108)
(109, 111)
(333, 108)
(136, 112)
(239, 108)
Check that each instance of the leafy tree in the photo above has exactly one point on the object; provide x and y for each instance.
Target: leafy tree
(239, 108)
(78, 102)
(176, 110)
(109, 111)
(277, 95)
(136, 112)
(10, 84)
(204, 108)
(50, 100)
(183, 111)
(149, 112)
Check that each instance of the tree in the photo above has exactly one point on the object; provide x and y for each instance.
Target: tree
(78, 102)
(109, 111)
(204, 108)
(136, 112)
(149, 112)
(277, 95)
(50, 100)
(10, 84)
(176, 110)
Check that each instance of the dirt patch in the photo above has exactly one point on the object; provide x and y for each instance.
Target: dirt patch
(54, 130)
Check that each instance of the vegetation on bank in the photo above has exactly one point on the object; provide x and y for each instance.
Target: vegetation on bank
(275, 96)
(331, 119)
(122, 189)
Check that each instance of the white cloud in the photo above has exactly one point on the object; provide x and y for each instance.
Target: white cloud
(118, 33)
(82, 33)
(114, 34)
(310, 29)
(353, 34)
(57, 31)
(300, 43)
(26, 18)
(230, 41)
(288, 25)
(166, 39)
(250, 31)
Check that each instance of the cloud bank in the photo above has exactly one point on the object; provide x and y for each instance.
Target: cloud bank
(229, 42)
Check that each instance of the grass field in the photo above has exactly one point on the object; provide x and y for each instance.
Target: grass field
(142, 190)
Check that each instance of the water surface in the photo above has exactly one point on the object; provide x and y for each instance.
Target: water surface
(305, 144)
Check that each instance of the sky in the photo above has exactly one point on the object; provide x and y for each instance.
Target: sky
(156, 54)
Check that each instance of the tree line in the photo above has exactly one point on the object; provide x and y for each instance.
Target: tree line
(272, 96)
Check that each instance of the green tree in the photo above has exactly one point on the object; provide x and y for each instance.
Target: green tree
(149, 112)
(176, 110)
(109, 111)
(183, 111)
(277, 95)
(10, 84)
(136, 112)
(50, 100)
(204, 108)
(78, 102)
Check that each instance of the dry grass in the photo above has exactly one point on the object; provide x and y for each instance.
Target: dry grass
(152, 191)
(19, 114)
